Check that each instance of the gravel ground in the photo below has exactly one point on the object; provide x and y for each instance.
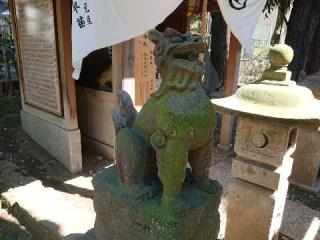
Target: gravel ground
(20, 154)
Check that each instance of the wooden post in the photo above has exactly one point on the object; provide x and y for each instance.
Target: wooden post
(117, 71)
(128, 82)
(63, 18)
(229, 88)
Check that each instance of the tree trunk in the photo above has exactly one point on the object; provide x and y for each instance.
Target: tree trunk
(302, 26)
(313, 63)
(277, 30)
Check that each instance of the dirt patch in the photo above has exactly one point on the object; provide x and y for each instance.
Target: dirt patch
(23, 161)
(10, 104)
(311, 200)
(29, 158)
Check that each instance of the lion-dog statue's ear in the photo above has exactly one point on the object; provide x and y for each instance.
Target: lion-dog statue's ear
(154, 36)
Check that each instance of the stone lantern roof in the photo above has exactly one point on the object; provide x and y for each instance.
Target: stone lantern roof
(274, 95)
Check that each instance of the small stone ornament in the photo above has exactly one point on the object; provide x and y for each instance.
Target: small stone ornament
(150, 193)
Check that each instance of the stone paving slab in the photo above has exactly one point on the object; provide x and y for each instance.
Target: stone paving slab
(50, 213)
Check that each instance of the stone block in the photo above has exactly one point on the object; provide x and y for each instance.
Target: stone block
(254, 212)
(262, 140)
(306, 158)
(65, 145)
(262, 174)
(121, 216)
(279, 75)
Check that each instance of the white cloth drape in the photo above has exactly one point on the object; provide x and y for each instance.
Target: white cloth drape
(101, 23)
(242, 16)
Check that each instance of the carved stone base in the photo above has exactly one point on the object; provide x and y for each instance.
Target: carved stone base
(121, 215)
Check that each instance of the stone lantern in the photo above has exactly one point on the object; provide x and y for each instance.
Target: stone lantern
(306, 167)
(269, 112)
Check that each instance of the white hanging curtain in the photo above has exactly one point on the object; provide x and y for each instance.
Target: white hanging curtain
(101, 23)
(242, 16)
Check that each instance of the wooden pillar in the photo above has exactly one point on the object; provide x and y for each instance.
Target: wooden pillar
(117, 71)
(63, 16)
(229, 88)
(128, 82)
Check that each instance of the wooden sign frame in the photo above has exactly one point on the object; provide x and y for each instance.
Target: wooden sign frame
(59, 111)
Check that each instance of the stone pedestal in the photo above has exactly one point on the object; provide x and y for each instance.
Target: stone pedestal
(254, 212)
(307, 160)
(122, 216)
(306, 168)
(62, 143)
(258, 192)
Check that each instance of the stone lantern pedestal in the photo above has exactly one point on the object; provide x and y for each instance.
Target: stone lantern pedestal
(269, 112)
(306, 168)
(258, 192)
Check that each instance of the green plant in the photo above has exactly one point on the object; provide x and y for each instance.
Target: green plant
(7, 55)
(5, 204)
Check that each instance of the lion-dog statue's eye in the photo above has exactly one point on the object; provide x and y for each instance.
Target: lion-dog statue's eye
(158, 50)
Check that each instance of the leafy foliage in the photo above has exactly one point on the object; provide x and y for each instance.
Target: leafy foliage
(283, 5)
(7, 42)
(258, 62)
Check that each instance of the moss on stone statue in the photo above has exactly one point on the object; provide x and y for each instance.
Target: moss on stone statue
(121, 216)
(147, 195)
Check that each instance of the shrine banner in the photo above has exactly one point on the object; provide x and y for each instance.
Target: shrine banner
(242, 16)
(101, 23)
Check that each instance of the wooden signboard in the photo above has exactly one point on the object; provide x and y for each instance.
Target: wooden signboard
(39, 66)
(145, 70)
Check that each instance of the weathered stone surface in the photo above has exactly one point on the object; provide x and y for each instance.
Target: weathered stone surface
(261, 140)
(274, 95)
(121, 216)
(174, 127)
(51, 214)
(146, 195)
(262, 174)
(254, 212)
(265, 136)
(306, 158)
(63, 144)
(280, 55)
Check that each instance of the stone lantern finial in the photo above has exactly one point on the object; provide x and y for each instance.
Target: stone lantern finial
(280, 56)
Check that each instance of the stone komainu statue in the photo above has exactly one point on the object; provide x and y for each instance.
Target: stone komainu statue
(174, 127)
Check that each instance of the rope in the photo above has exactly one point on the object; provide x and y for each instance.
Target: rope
(204, 18)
